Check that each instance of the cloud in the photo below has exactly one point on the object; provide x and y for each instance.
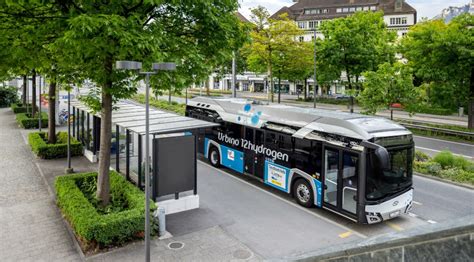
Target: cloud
(425, 8)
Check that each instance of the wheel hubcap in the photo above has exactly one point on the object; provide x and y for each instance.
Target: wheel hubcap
(302, 192)
(214, 157)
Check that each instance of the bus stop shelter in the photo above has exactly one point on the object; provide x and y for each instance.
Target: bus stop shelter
(173, 150)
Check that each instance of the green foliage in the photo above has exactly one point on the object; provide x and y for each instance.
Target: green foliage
(447, 160)
(388, 85)
(27, 122)
(354, 44)
(421, 156)
(8, 96)
(114, 225)
(20, 108)
(442, 57)
(274, 48)
(40, 146)
(161, 104)
(446, 165)
(424, 108)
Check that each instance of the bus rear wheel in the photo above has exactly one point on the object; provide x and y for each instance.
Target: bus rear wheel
(214, 157)
(303, 193)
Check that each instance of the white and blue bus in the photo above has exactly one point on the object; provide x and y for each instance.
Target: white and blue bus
(357, 166)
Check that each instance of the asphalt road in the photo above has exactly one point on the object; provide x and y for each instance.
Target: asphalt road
(273, 225)
(432, 146)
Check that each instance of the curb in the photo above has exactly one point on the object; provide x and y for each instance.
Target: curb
(444, 180)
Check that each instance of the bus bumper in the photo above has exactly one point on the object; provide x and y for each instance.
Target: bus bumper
(389, 209)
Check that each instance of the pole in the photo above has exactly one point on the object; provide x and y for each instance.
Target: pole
(186, 90)
(69, 169)
(234, 77)
(315, 81)
(147, 171)
(39, 98)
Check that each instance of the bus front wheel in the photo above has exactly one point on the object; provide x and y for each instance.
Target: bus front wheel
(214, 157)
(303, 193)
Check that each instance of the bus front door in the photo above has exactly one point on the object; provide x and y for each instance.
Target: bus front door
(341, 171)
(253, 162)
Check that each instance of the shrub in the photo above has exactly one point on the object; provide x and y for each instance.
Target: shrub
(8, 96)
(20, 108)
(161, 104)
(39, 145)
(432, 110)
(421, 156)
(447, 160)
(28, 122)
(93, 225)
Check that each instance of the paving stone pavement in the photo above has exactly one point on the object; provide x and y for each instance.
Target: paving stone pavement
(213, 244)
(31, 227)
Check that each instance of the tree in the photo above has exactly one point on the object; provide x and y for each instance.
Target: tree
(100, 34)
(354, 45)
(442, 56)
(269, 39)
(388, 85)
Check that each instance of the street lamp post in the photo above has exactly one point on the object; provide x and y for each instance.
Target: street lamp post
(132, 65)
(39, 98)
(234, 77)
(315, 81)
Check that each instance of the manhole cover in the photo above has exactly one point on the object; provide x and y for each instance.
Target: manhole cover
(175, 245)
(242, 254)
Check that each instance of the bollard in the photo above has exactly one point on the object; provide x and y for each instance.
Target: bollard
(161, 221)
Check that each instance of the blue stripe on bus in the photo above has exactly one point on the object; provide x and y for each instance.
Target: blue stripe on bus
(232, 158)
(276, 176)
(318, 192)
(206, 147)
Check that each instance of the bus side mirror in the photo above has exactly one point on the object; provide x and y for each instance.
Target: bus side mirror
(380, 152)
(383, 157)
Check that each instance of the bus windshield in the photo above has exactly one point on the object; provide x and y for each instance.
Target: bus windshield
(383, 183)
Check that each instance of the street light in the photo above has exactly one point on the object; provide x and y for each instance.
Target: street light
(315, 81)
(133, 65)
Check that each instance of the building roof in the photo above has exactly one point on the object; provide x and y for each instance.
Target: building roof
(241, 17)
(132, 117)
(303, 120)
(296, 11)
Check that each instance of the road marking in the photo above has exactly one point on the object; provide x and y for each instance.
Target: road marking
(286, 201)
(431, 221)
(394, 226)
(412, 215)
(417, 203)
(438, 151)
(345, 234)
(444, 141)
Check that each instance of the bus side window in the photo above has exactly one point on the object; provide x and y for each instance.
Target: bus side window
(284, 143)
(259, 137)
(271, 139)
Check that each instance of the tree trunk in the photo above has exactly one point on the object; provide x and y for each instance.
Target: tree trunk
(52, 112)
(270, 75)
(103, 181)
(279, 90)
(305, 89)
(33, 97)
(350, 88)
(470, 111)
(23, 97)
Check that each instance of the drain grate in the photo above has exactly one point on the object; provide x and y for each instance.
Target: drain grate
(175, 245)
(242, 254)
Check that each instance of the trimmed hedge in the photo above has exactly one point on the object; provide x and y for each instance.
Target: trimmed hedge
(19, 108)
(89, 225)
(27, 122)
(162, 104)
(39, 145)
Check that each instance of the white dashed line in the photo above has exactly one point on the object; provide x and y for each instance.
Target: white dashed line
(431, 221)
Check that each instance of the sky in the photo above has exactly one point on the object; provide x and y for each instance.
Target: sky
(425, 8)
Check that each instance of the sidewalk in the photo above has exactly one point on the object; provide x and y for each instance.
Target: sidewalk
(32, 228)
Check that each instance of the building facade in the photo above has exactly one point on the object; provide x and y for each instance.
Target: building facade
(310, 14)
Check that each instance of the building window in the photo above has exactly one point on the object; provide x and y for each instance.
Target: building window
(366, 8)
(359, 8)
(352, 9)
(404, 20)
(339, 10)
(301, 38)
(373, 8)
(398, 21)
(325, 11)
(312, 24)
(302, 25)
(345, 10)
